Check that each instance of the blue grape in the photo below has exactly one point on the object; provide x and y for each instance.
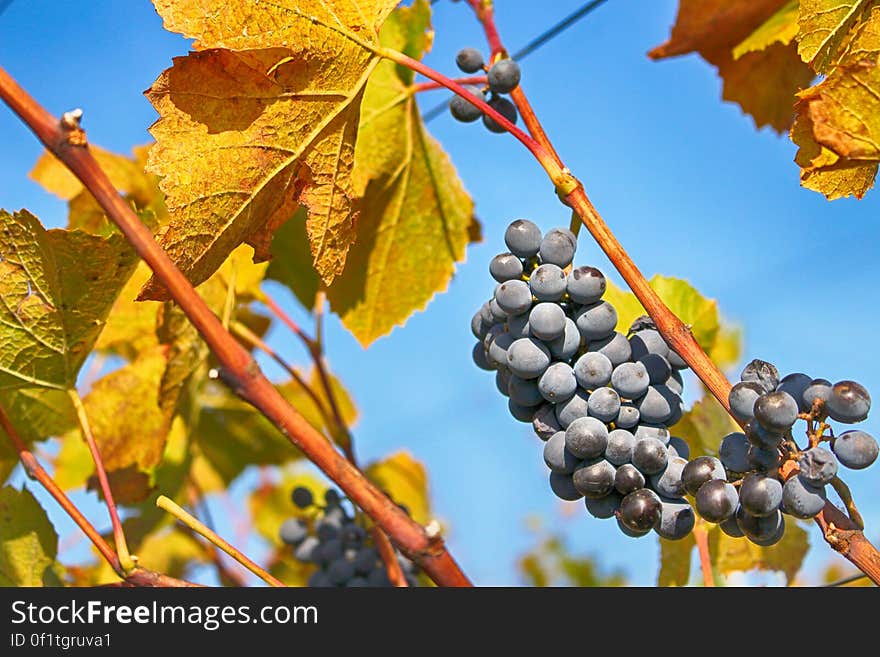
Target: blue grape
(763, 373)
(630, 380)
(596, 321)
(356, 582)
(657, 405)
(496, 353)
(648, 341)
(603, 507)
(469, 60)
(365, 560)
(734, 452)
(699, 471)
(678, 447)
(498, 315)
(716, 500)
(566, 345)
(760, 495)
(340, 571)
(558, 247)
(632, 533)
(557, 383)
(619, 447)
(742, 399)
(544, 422)
(586, 285)
(557, 457)
(571, 409)
(503, 76)
(548, 282)
(628, 479)
(505, 267)
(675, 360)
(855, 449)
(502, 381)
(795, 385)
(528, 358)
(462, 109)
(801, 499)
(514, 297)
(677, 519)
(849, 402)
(480, 360)
(328, 551)
(293, 531)
(505, 108)
(640, 510)
(649, 456)
(604, 404)
(378, 577)
(615, 347)
(593, 370)
(731, 528)
(547, 321)
(478, 326)
(520, 412)
(667, 482)
(656, 431)
(586, 438)
(523, 238)
(763, 528)
(761, 437)
(594, 478)
(675, 382)
(302, 497)
(628, 416)
(318, 579)
(818, 389)
(524, 391)
(817, 466)
(776, 411)
(563, 487)
(763, 459)
(658, 368)
(518, 326)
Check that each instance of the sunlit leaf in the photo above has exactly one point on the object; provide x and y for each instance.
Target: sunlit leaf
(28, 542)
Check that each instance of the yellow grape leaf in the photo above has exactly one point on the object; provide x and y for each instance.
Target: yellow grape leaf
(291, 263)
(727, 348)
(56, 288)
(261, 120)
(289, 570)
(344, 402)
(131, 325)
(404, 480)
(740, 554)
(824, 27)
(704, 426)
(415, 213)
(73, 465)
(675, 561)
(28, 542)
(172, 552)
(782, 27)
(823, 170)
(270, 504)
(763, 83)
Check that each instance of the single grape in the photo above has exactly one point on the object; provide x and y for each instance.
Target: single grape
(677, 519)
(478, 326)
(293, 531)
(761, 437)
(462, 109)
(628, 416)
(528, 358)
(603, 507)
(658, 404)
(558, 247)
(557, 383)
(596, 321)
(594, 479)
(677, 412)
(716, 500)
(520, 412)
(760, 495)
(593, 370)
(586, 285)
(628, 479)
(658, 368)
(801, 499)
(505, 108)
(469, 60)
(523, 238)
(632, 533)
(514, 297)
(762, 459)
(649, 456)
(604, 404)
(761, 528)
(774, 538)
(615, 347)
(302, 497)
(657, 431)
(855, 449)
(640, 510)
(776, 411)
(496, 353)
(571, 409)
(518, 326)
(667, 482)
(544, 422)
(566, 345)
(563, 487)
(557, 457)
(503, 76)
(849, 402)
(817, 466)
(586, 438)
(547, 321)
(619, 447)
(548, 282)
(678, 447)
(340, 571)
(502, 381)
(699, 471)
(761, 372)
(480, 359)
(731, 528)
(676, 361)
(524, 391)
(505, 267)
(497, 313)
(675, 382)
(742, 399)
(630, 380)
(648, 341)
(734, 452)
(795, 385)
(818, 389)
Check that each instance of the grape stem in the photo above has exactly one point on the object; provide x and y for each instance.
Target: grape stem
(432, 86)
(846, 537)
(237, 367)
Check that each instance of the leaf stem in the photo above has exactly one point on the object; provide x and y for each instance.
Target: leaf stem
(125, 560)
(190, 521)
(431, 86)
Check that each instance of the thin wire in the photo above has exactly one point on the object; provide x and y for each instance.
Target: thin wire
(533, 45)
(846, 580)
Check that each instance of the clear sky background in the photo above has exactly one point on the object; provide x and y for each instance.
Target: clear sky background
(686, 182)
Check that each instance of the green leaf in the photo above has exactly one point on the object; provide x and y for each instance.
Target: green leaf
(739, 554)
(28, 542)
(291, 263)
(404, 480)
(704, 426)
(781, 27)
(416, 216)
(675, 561)
(57, 288)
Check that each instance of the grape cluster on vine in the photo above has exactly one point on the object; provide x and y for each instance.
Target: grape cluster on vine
(502, 77)
(602, 401)
(337, 544)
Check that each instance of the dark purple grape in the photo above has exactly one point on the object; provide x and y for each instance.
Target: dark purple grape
(776, 411)
(640, 510)
(302, 497)
(760, 495)
(594, 479)
(855, 449)
(716, 500)
(628, 479)
(795, 385)
(849, 402)
(763, 373)
(817, 466)
(650, 456)
(699, 471)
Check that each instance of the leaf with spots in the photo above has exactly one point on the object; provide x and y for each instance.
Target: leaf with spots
(28, 541)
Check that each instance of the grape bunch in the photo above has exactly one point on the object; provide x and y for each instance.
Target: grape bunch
(761, 474)
(502, 77)
(342, 549)
(602, 401)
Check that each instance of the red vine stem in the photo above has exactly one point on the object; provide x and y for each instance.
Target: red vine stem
(839, 531)
(137, 577)
(431, 86)
(238, 369)
(701, 537)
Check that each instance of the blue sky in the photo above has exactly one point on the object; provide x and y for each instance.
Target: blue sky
(686, 182)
